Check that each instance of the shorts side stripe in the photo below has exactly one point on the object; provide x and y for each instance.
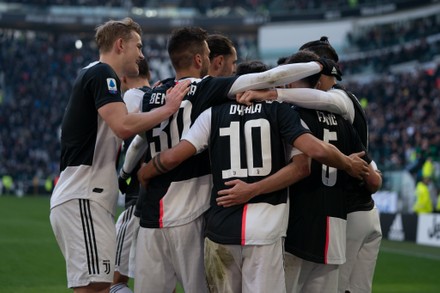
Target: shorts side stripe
(89, 236)
(121, 233)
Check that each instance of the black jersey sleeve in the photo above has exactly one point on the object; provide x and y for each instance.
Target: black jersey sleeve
(103, 84)
(290, 123)
(214, 90)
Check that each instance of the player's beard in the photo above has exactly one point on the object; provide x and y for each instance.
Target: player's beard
(204, 70)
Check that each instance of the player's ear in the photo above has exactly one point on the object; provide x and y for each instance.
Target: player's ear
(220, 60)
(198, 60)
(119, 45)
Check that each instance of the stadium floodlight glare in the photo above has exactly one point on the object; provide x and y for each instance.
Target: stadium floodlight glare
(78, 44)
(151, 13)
(137, 11)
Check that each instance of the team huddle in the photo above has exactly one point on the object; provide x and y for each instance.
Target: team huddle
(237, 177)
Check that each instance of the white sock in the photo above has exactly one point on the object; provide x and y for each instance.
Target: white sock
(120, 288)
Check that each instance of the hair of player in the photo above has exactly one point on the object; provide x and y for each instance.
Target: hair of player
(107, 33)
(219, 45)
(322, 48)
(303, 57)
(184, 43)
(251, 66)
(144, 69)
(282, 60)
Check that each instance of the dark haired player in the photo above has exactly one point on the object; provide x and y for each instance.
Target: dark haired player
(170, 240)
(127, 225)
(222, 55)
(363, 224)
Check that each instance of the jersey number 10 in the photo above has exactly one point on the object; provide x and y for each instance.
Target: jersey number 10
(233, 131)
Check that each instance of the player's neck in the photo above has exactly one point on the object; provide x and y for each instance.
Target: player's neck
(190, 72)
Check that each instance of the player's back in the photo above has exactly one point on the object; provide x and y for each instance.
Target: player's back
(318, 214)
(181, 195)
(249, 143)
(360, 198)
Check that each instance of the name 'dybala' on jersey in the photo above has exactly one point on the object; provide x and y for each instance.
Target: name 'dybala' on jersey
(242, 109)
(327, 118)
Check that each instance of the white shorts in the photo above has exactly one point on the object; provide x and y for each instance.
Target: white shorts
(86, 235)
(246, 269)
(167, 255)
(125, 229)
(364, 236)
(132, 261)
(306, 276)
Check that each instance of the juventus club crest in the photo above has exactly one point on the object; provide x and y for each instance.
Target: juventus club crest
(106, 264)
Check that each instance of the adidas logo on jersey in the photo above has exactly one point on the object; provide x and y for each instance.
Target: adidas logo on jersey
(396, 230)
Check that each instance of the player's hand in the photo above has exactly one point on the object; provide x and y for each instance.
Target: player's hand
(330, 68)
(250, 96)
(157, 84)
(122, 183)
(175, 94)
(142, 179)
(359, 168)
(239, 193)
(122, 180)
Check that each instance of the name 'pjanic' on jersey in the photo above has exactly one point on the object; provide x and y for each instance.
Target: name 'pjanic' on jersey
(327, 118)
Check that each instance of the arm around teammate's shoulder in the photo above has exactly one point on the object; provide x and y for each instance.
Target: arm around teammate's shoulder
(165, 161)
(328, 154)
(125, 124)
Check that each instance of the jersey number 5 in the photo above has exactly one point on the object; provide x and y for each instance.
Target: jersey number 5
(329, 174)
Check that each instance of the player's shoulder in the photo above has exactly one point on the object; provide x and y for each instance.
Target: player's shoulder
(279, 105)
(163, 85)
(99, 67)
(341, 90)
(145, 89)
(100, 71)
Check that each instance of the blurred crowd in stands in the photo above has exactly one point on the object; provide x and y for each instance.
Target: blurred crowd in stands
(203, 6)
(38, 69)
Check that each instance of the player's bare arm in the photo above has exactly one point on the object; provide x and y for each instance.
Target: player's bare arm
(328, 154)
(125, 124)
(241, 192)
(165, 161)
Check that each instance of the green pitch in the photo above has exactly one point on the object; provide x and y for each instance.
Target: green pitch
(32, 263)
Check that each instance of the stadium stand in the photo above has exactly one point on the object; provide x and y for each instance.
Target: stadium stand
(399, 84)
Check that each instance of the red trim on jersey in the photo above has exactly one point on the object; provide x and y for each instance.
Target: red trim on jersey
(243, 225)
(161, 213)
(327, 239)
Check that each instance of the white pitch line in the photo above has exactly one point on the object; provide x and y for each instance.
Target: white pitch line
(411, 253)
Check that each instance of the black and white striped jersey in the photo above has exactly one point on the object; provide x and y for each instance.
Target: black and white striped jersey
(181, 195)
(247, 143)
(133, 98)
(360, 198)
(88, 145)
(317, 221)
